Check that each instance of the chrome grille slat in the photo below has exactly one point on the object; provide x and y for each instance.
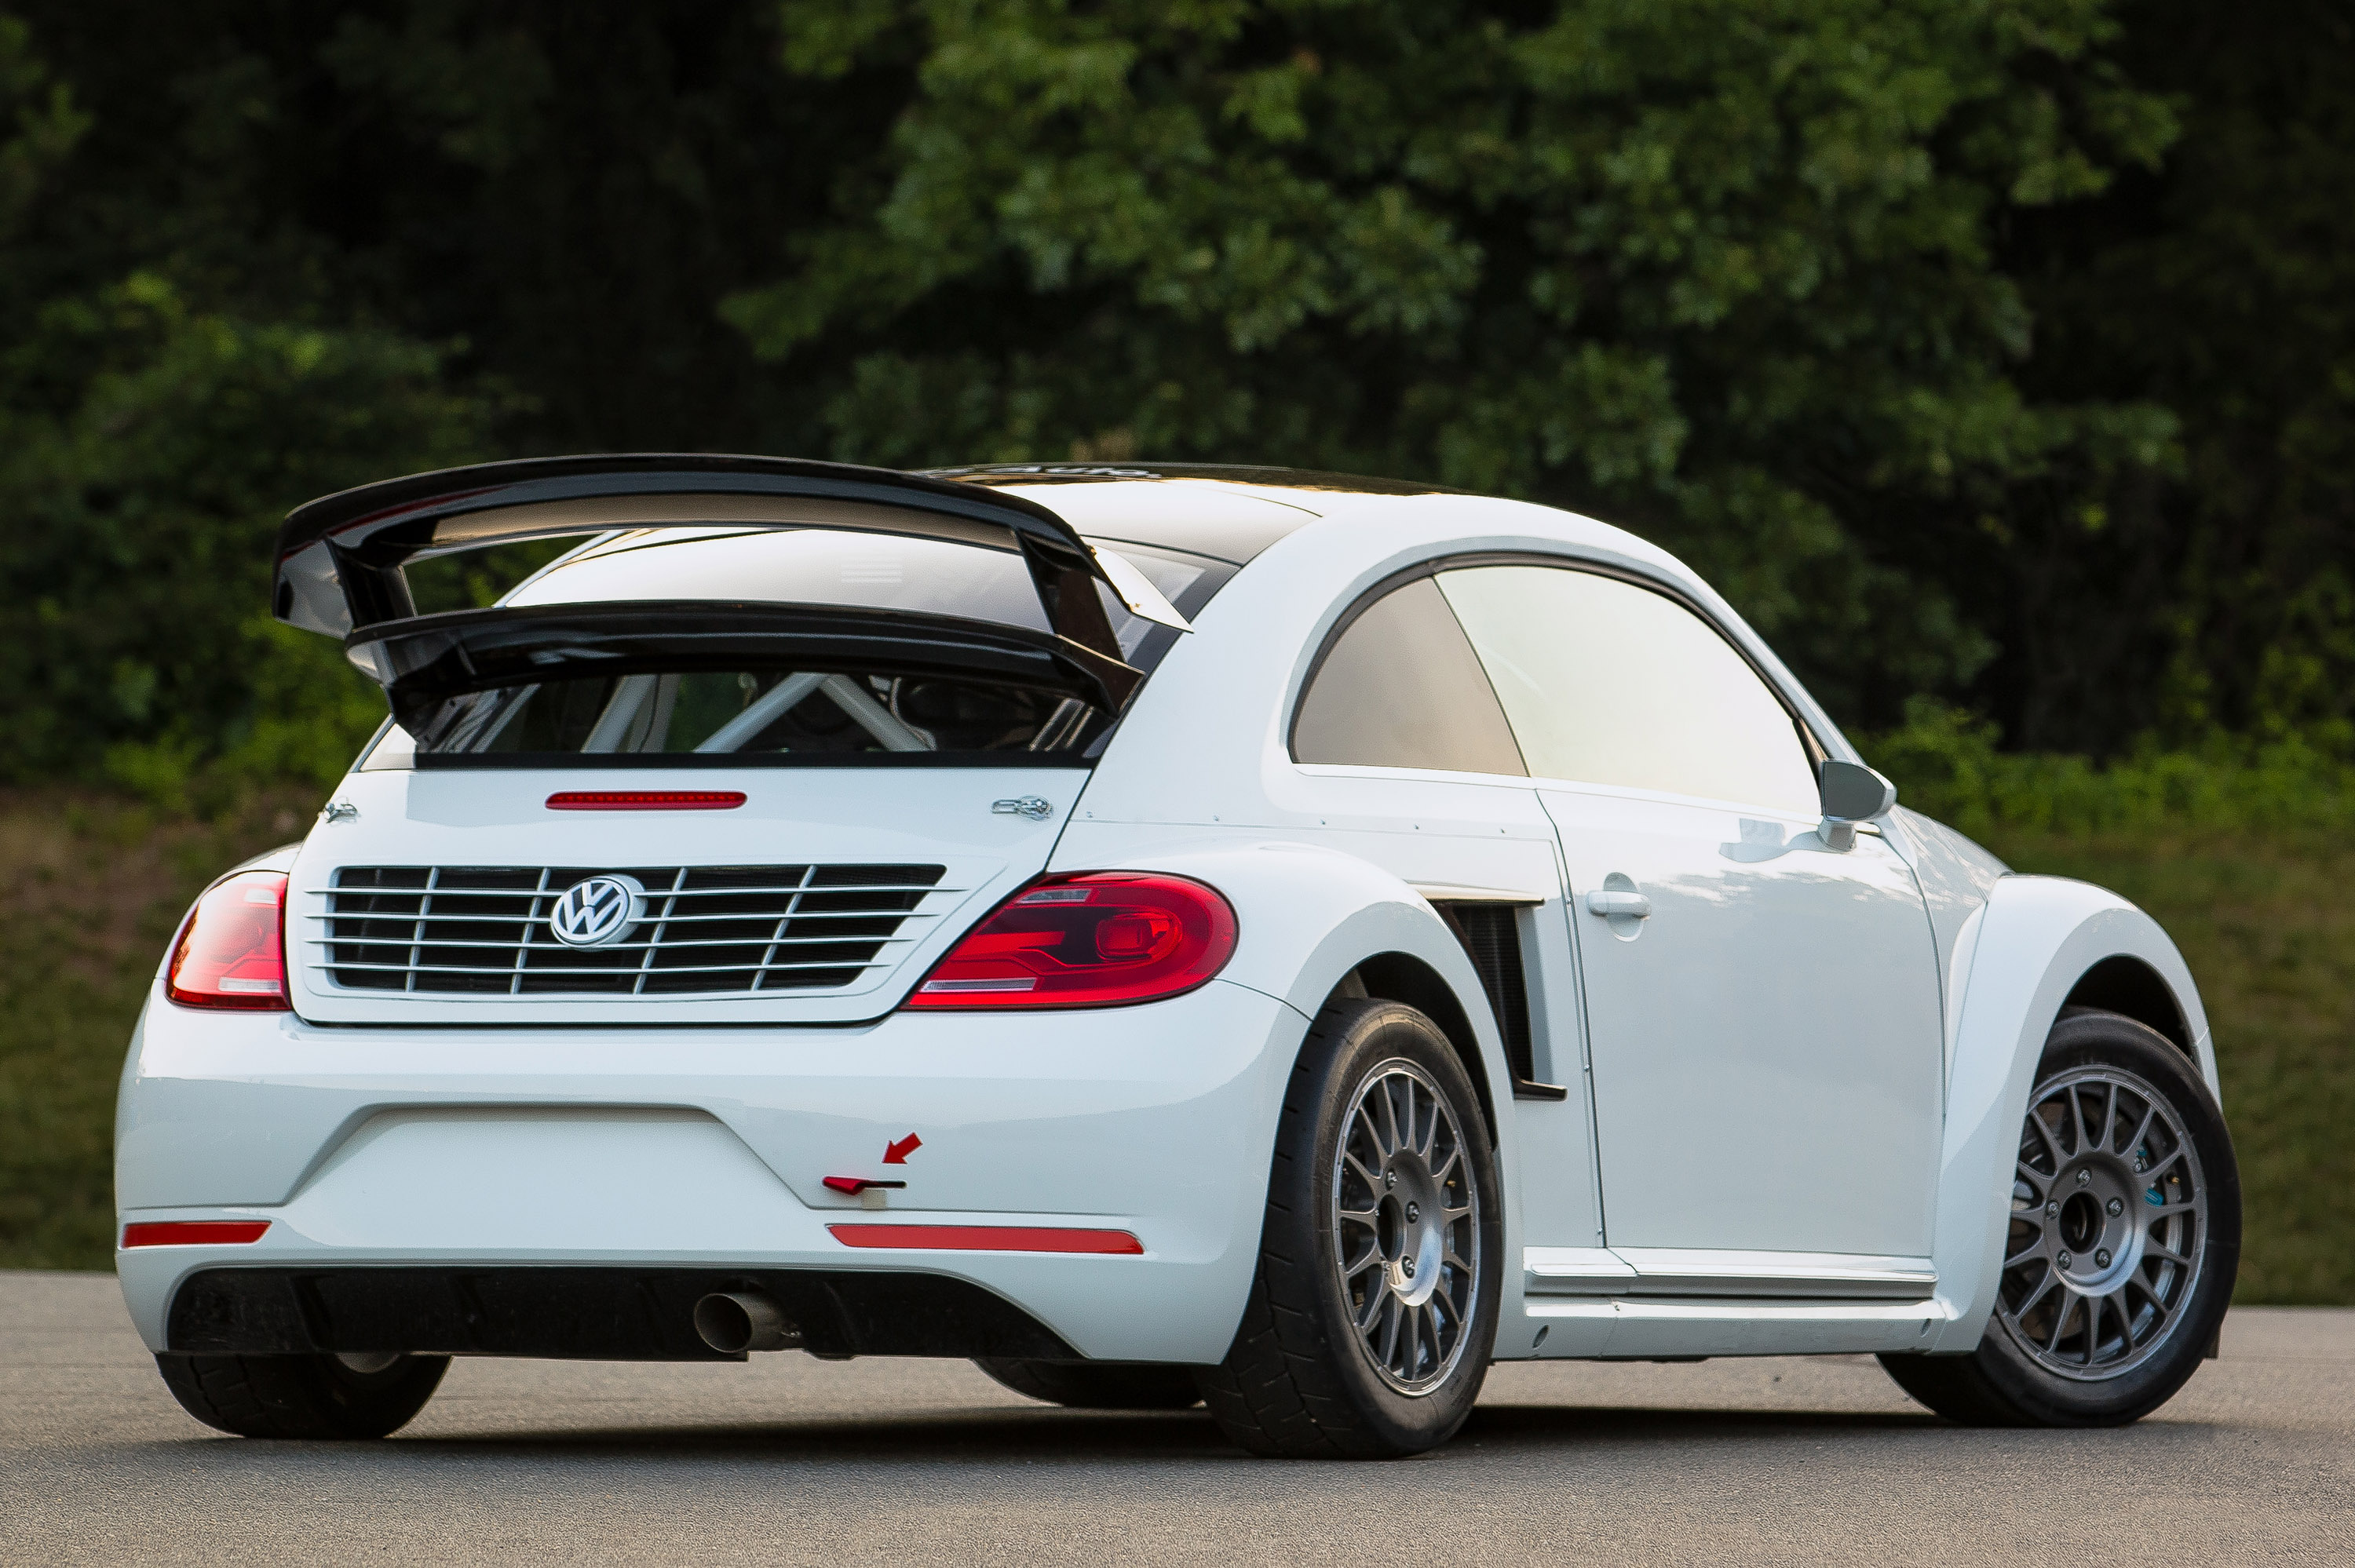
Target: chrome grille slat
(448, 894)
(539, 915)
(482, 930)
(610, 947)
(500, 969)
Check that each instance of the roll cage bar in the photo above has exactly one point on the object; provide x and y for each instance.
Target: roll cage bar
(424, 662)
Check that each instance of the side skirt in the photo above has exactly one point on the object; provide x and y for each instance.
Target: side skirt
(1661, 1304)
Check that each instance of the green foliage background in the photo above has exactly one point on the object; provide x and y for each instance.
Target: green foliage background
(1996, 357)
(1996, 351)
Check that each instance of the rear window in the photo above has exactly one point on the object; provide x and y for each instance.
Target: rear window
(839, 702)
(763, 713)
(865, 571)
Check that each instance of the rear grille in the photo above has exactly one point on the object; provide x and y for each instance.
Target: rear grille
(707, 929)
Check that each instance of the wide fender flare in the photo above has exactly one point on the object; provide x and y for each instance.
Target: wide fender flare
(1307, 916)
(2035, 939)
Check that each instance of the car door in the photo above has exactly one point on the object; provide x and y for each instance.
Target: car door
(1762, 1012)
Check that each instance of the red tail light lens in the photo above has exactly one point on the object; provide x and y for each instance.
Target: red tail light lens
(232, 952)
(1095, 940)
(194, 1232)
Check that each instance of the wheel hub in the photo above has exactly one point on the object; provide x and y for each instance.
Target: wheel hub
(2108, 1219)
(1406, 1231)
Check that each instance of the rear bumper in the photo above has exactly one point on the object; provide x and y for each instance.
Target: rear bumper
(565, 1171)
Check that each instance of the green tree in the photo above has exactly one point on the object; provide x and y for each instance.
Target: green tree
(2220, 285)
(1724, 271)
(146, 512)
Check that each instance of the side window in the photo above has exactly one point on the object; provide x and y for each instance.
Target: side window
(1607, 683)
(1401, 688)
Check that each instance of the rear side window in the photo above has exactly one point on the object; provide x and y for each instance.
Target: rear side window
(1607, 683)
(1401, 688)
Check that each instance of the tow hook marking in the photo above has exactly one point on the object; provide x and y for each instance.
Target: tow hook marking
(897, 1153)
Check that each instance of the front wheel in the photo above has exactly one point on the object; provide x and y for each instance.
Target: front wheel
(2124, 1240)
(1368, 1328)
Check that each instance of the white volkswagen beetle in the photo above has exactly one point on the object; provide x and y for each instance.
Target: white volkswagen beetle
(1164, 932)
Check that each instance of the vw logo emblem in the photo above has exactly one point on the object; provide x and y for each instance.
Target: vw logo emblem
(601, 909)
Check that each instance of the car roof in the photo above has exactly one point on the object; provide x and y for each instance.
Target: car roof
(1231, 512)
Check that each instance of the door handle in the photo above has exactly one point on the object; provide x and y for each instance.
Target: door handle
(1611, 902)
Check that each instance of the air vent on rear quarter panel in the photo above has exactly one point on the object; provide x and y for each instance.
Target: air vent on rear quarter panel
(1491, 934)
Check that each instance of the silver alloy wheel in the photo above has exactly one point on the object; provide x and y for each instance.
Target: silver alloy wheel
(1406, 1226)
(2109, 1216)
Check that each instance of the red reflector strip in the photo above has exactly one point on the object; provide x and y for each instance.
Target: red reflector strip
(646, 799)
(194, 1232)
(986, 1239)
(854, 1185)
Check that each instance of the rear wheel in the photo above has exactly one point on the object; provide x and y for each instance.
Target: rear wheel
(302, 1396)
(2123, 1239)
(1369, 1325)
(1096, 1385)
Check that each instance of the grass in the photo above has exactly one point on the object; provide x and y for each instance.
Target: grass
(2265, 915)
(2267, 920)
(93, 889)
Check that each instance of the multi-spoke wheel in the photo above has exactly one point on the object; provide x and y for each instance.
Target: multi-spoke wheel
(1369, 1325)
(2123, 1239)
(2107, 1212)
(1406, 1226)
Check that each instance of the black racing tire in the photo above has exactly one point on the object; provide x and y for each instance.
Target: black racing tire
(320, 1397)
(1301, 1379)
(2014, 1379)
(1096, 1385)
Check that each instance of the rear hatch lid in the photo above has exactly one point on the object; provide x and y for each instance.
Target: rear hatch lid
(758, 752)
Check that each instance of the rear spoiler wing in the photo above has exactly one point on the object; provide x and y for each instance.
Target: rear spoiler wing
(340, 558)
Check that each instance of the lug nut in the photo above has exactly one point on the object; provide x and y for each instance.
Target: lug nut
(1412, 1214)
(1389, 1179)
(2102, 1258)
(2084, 1176)
(2116, 1208)
(2052, 1208)
(1406, 1266)
(2064, 1260)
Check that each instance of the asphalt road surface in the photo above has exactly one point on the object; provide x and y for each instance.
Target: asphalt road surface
(919, 1463)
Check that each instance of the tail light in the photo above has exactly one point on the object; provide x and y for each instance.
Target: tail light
(232, 949)
(1095, 939)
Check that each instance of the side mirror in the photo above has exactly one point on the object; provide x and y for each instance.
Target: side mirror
(1850, 793)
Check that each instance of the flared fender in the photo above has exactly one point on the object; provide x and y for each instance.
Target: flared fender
(1307, 916)
(2027, 949)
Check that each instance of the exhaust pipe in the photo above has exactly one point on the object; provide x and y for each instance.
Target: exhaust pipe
(735, 1321)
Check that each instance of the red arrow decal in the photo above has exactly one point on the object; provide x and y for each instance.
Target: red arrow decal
(897, 1153)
